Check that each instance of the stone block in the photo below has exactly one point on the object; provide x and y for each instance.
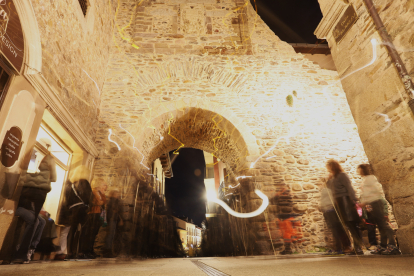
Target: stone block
(279, 169)
(296, 187)
(308, 186)
(300, 208)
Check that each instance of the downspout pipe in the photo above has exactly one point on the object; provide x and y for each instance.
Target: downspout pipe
(395, 57)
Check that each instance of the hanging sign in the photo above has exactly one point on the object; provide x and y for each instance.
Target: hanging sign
(10, 149)
(11, 34)
(345, 23)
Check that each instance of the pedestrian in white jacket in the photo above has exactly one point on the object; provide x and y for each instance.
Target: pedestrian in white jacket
(371, 195)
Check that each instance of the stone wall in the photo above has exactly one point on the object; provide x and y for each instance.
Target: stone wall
(211, 75)
(378, 99)
(75, 53)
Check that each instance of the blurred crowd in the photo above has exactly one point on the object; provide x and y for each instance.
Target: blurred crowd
(84, 210)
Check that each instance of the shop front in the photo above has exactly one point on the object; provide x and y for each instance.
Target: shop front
(31, 113)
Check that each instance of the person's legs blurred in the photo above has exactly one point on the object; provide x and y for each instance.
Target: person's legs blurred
(63, 240)
(110, 236)
(78, 217)
(335, 226)
(356, 234)
(384, 228)
(38, 232)
(92, 226)
(372, 235)
(29, 231)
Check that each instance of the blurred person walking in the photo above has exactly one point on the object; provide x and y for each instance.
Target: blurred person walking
(77, 196)
(371, 198)
(114, 216)
(341, 241)
(345, 201)
(95, 219)
(36, 186)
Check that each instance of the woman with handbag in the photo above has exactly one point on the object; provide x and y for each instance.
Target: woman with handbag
(35, 188)
(345, 202)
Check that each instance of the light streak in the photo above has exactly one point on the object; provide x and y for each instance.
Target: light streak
(109, 138)
(271, 157)
(97, 87)
(231, 187)
(121, 31)
(133, 145)
(218, 137)
(243, 177)
(169, 133)
(211, 197)
(291, 133)
(387, 120)
(374, 57)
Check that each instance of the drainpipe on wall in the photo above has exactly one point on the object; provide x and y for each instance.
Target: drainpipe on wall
(395, 57)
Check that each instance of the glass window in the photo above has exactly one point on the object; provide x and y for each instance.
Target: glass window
(56, 149)
(210, 172)
(51, 204)
(62, 158)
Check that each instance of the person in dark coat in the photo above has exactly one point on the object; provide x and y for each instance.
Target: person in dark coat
(341, 241)
(35, 188)
(114, 216)
(78, 200)
(95, 218)
(64, 222)
(345, 201)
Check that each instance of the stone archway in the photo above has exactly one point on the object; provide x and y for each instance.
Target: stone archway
(202, 124)
(285, 115)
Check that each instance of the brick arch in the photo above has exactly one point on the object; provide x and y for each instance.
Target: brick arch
(197, 125)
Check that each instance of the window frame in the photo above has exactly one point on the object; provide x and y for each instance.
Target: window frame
(66, 168)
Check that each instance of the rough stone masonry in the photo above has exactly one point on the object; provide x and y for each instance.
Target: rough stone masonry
(209, 74)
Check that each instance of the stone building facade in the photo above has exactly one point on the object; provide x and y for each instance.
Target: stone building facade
(58, 85)
(131, 80)
(377, 97)
(211, 75)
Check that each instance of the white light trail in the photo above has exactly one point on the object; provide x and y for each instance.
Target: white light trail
(231, 187)
(110, 140)
(387, 120)
(97, 87)
(242, 177)
(133, 145)
(271, 157)
(212, 197)
(291, 133)
(374, 58)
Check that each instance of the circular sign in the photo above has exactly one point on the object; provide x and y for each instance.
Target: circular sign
(10, 149)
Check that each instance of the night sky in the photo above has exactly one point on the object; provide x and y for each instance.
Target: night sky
(185, 191)
(293, 21)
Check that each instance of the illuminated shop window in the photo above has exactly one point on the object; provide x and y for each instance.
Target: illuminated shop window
(209, 172)
(62, 155)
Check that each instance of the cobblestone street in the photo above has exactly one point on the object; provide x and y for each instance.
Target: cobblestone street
(240, 266)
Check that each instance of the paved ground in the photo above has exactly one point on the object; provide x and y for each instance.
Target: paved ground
(240, 266)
